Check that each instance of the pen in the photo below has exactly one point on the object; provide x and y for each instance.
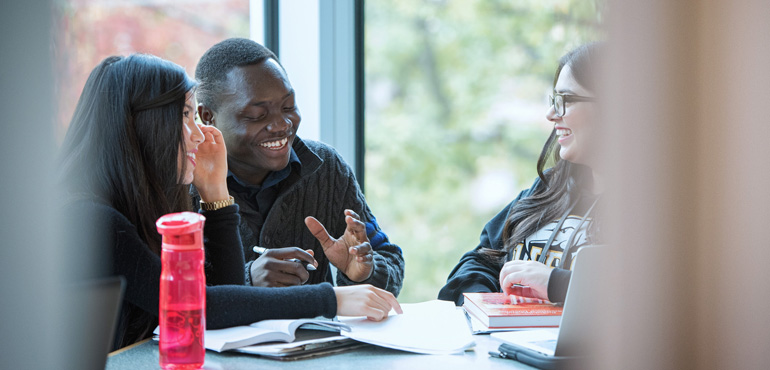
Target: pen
(261, 250)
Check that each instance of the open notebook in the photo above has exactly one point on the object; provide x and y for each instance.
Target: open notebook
(265, 331)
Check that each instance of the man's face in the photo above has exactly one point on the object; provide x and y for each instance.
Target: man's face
(258, 118)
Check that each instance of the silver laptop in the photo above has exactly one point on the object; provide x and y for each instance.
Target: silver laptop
(547, 348)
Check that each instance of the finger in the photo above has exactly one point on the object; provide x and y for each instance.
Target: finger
(351, 213)
(213, 133)
(310, 252)
(504, 282)
(356, 227)
(375, 310)
(300, 271)
(319, 231)
(289, 253)
(510, 279)
(286, 272)
(512, 265)
(209, 139)
(378, 299)
(217, 135)
(207, 128)
(391, 300)
(521, 290)
(376, 315)
(361, 250)
(365, 259)
(275, 278)
(509, 268)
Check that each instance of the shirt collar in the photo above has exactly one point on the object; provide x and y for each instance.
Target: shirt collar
(273, 178)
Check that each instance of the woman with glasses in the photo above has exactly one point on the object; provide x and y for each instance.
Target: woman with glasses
(527, 249)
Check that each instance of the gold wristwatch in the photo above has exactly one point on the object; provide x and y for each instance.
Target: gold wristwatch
(213, 206)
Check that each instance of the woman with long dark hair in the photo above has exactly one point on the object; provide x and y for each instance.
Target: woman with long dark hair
(532, 242)
(129, 156)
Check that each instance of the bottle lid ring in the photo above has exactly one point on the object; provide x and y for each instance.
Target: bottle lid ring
(180, 223)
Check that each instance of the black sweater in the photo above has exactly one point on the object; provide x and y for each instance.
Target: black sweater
(477, 273)
(323, 188)
(228, 301)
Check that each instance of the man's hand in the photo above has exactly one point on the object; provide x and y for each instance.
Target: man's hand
(272, 269)
(351, 253)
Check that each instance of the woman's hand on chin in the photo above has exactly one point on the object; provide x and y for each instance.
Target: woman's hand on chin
(210, 175)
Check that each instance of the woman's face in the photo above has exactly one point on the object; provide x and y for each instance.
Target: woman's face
(192, 138)
(575, 129)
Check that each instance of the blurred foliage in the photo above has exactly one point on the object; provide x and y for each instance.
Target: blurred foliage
(87, 31)
(455, 106)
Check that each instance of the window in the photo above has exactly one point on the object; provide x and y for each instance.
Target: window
(180, 31)
(454, 94)
(455, 106)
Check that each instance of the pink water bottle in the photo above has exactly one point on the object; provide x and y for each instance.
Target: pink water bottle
(182, 291)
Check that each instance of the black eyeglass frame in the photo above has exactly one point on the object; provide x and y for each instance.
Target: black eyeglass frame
(566, 98)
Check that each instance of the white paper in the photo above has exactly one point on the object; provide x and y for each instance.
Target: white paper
(433, 327)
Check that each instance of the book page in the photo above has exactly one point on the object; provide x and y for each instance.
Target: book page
(223, 339)
(433, 327)
(289, 326)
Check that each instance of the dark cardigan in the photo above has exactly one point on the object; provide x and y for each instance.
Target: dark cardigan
(323, 187)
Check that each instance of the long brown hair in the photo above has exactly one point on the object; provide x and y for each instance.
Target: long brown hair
(560, 184)
(122, 145)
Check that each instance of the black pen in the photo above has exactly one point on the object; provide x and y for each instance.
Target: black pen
(261, 250)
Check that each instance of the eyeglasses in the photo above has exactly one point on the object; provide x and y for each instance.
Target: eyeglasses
(558, 100)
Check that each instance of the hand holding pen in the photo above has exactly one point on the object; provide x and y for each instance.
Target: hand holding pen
(261, 250)
(278, 267)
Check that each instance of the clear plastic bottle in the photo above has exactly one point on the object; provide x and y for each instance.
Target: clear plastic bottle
(182, 316)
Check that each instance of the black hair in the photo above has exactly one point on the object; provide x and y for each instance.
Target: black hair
(214, 65)
(124, 139)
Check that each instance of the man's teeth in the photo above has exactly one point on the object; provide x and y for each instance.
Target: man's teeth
(275, 144)
(563, 132)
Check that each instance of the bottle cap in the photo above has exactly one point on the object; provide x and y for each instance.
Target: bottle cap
(181, 230)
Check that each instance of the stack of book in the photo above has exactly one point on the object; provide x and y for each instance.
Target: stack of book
(502, 311)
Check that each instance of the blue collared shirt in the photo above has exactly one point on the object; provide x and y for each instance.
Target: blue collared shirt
(262, 197)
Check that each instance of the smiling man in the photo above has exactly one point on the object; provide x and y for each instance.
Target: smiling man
(288, 188)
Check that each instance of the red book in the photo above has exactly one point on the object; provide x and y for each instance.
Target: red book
(496, 311)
